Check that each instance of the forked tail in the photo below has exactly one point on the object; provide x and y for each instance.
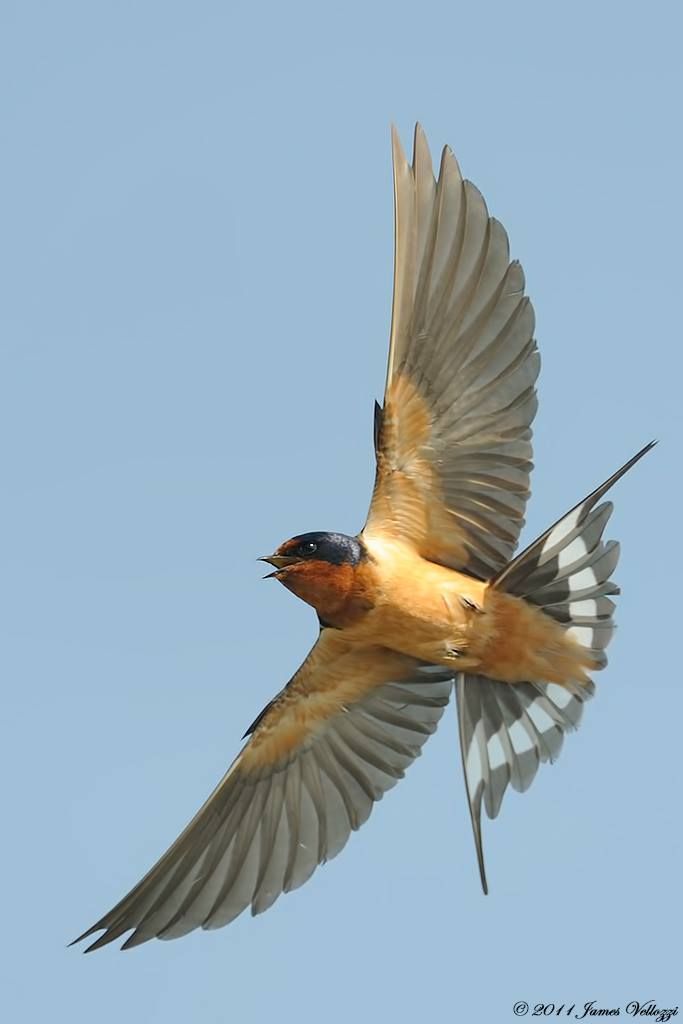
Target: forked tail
(506, 729)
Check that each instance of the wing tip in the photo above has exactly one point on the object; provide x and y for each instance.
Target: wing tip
(421, 152)
(84, 935)
(449, 167)
(101, 940)
(398, 153)
(110, 932)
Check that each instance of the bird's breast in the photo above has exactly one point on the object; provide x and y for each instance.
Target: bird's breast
(421, 608)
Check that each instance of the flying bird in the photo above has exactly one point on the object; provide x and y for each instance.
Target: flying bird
(428, 599)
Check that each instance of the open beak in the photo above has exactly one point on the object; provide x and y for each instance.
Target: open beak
(279, 561)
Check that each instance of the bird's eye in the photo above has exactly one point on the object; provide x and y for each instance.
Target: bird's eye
(309, 548)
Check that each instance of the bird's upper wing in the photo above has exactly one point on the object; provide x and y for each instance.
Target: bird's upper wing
(453, 439)
(338, 736)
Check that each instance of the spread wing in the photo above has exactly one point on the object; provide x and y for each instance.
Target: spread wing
(453, 438)
(338, 736)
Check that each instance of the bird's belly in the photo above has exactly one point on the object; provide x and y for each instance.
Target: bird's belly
(434, 615)
(428, 638)
(502, 637)
(445, 617)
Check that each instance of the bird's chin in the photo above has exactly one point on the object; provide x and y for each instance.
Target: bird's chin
(278, 574)
(284, 572)
(282, 563)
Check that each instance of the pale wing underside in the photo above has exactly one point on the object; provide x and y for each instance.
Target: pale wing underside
(308, 777)
(453, 438)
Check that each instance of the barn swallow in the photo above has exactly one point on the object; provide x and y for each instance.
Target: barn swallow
(428, 599)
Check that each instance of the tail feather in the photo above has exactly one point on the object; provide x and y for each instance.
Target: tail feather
(508, 729)
(568, 570)
(567, 549)
(561, 533)
(590, 609)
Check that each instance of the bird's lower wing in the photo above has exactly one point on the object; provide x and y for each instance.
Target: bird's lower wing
(453, 438)
(331, 744)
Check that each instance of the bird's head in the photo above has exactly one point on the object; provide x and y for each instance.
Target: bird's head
(323, 569)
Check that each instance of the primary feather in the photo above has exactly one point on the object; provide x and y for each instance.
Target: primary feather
(454, 436)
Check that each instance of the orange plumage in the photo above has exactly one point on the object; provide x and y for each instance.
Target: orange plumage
(395, 598)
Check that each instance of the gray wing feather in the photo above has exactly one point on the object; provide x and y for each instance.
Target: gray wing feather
(462, 329)
(262, 834)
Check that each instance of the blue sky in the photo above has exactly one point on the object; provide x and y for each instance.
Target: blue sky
(196, 257)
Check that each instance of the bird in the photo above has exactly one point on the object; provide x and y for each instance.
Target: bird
(428, 602)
